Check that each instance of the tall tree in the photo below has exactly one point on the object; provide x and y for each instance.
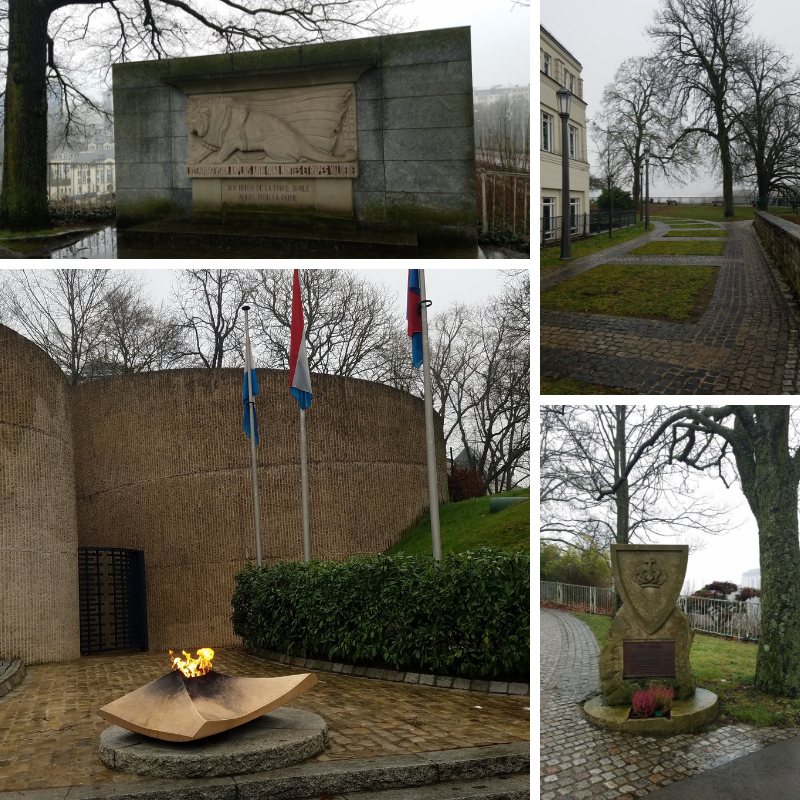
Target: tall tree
(62, 311)
(610, 165)
(698, 44)
(55, 44)
(209, 302)
(755, 442)
(767, 113)
(637, 109)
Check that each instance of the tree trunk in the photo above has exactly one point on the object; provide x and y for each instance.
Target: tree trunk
(727, 171)
(23, 202)
(622, 497)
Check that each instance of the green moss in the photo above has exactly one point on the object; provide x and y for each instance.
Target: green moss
(200, 65)
(372, 210)
(368, 49)
(400, 211)
(155, 208)
(139, 73)
(267, 59)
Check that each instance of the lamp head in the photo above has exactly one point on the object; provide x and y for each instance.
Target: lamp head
(647, 154)
(564, 100)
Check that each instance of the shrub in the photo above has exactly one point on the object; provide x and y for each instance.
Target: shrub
(572, 565)
(663, 697)
(622, 200)
(643, 703)
(747, 592)
(470, 616)
(464, 484)
(717, 590)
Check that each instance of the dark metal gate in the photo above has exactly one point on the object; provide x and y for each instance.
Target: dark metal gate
(113, 601)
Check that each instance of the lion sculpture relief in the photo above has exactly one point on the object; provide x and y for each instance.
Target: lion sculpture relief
(224, 129)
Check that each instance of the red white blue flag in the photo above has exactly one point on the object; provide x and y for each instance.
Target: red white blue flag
(299, 375)
(414, 317)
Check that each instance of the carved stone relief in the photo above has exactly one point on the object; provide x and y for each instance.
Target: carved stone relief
(304, 131)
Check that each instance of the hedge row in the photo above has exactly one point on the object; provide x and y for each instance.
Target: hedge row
(470, 616)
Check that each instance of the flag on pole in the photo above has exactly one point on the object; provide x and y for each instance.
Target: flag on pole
(299, 375)
(414, 317)
(246, 395)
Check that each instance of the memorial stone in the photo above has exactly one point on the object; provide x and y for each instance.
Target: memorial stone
(650, 638)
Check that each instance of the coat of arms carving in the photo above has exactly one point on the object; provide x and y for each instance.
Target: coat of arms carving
(649, 578)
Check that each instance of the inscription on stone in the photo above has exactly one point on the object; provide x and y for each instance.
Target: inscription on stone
(648, 658)
(297, 194)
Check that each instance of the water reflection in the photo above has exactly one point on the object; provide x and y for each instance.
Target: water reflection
(101, 244)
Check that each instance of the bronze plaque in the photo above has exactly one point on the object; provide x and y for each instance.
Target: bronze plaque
(642, 658)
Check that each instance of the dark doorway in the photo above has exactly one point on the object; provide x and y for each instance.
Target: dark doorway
(113, 600)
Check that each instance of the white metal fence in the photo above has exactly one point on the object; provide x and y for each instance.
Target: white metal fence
(737, 619)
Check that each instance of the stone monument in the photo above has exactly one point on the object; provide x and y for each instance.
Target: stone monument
(649, 643)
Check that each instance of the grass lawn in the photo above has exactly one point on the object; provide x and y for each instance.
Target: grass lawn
(551, 256)
(696, 232)
(711, 213)
(569, 386)
(791, 218)
(726, 667)
(16, 240)
(661, 248)
(693, 225)
(672, 293)
(468, 525)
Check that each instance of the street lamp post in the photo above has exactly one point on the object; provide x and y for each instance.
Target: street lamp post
(564, 99)
(647, 187)
(641, 192)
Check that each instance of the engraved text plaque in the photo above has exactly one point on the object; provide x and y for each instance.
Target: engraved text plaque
(648, 658)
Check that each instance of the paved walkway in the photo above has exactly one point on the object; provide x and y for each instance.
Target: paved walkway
(49, 729)
(747, 342)
(580, 762)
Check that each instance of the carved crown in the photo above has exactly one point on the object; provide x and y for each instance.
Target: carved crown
(650, 576)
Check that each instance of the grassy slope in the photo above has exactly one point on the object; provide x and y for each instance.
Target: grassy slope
(469, 525)
(713, 213)
(569, 386)
(551, 256)
(726, 667)
(662, 248)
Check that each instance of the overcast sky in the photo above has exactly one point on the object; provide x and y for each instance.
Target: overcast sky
(501, 35)
(444, 286)
(602, 35)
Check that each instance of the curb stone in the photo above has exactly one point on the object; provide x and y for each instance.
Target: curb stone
(314, 778)
(440, 681)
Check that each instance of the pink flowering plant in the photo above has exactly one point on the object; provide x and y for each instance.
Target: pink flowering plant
(643, 704)
(663, 697)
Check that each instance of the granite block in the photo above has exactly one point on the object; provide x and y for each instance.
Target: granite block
(370, 177)
(449, 177)
(441, 111)
(368, 115)
(370, 146)
(429, 144)
(454, 77)
(426, 47)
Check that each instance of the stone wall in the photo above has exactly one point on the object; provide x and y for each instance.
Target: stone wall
(38, 530)
(415, 136)
(162, 465)
(783, 238)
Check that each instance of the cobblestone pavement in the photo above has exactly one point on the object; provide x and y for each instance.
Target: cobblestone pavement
(579, 761)
(49, 731)
(747, 342)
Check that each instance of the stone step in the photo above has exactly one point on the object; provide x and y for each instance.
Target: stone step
(503, 787)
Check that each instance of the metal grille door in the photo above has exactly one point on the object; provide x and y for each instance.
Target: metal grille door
(113, 601)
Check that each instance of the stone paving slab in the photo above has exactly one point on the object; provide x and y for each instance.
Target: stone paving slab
(49, 731)
(578, 761)
(752, 326)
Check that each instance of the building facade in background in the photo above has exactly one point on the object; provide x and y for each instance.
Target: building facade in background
(752, 578)
(89, 173)
(558, 67)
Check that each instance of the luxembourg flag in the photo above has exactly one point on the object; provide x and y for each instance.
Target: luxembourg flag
(246, 393)
(414, 317)
(299, 375)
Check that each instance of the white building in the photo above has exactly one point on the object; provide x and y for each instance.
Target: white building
(752, 578)
(89, 173)
(514, 94)
(558, 67)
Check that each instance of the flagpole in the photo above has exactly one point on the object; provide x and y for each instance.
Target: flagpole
(433, 483)
(251, 405)
(304, 487)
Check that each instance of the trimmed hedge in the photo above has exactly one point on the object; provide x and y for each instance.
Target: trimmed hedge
(470, 617)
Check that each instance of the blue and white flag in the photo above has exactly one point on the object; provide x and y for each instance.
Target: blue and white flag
(246, 394)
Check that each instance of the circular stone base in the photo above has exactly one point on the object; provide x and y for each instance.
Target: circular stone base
(686, 716)
(278, 739)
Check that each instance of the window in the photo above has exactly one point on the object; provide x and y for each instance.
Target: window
(574, 209)
(547, 132)
(573, 142)
(572, 83)
(566, 78)
(546, 64)
(549, 225)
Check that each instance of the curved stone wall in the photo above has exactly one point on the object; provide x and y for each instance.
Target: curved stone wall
(162, 465)
(38, 531)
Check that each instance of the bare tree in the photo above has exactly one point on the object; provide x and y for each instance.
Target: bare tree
(62, 311)
(56, 45)
(699, 42)
(754, 445)
(208, 303)
(610, 167)
(637, 109)
(767, 113)
(137, 336)
(349, 321)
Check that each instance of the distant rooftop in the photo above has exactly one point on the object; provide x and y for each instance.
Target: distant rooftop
(561, 45)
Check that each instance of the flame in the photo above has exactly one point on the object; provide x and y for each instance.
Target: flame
(194, 667)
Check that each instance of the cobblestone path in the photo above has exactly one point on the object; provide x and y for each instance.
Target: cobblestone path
(579, 761)
(747, 342)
